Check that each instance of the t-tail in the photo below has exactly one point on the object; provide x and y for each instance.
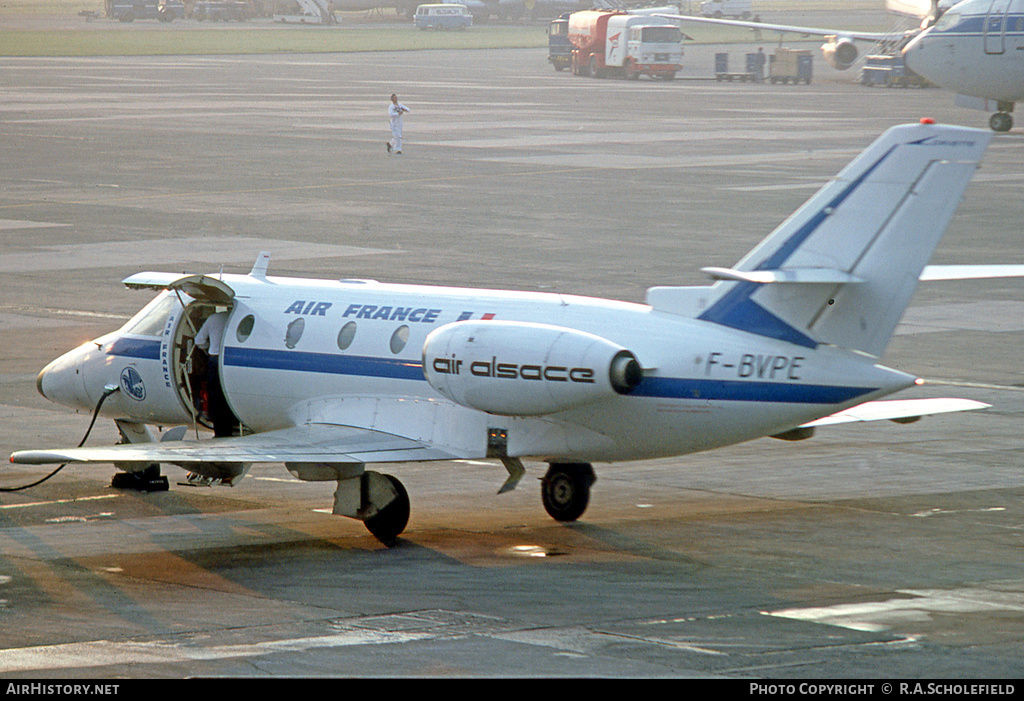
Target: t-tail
(842, 269)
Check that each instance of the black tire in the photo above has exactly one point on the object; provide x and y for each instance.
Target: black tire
(389, 522)
(1001, 121)
(629, 69)
(565, 490)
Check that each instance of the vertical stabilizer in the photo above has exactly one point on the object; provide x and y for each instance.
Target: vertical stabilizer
(842, 269)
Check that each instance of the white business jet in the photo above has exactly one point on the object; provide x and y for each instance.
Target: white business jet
(328, 376)
(976, 49)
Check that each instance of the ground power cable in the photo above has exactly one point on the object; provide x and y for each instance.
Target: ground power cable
(107, 391)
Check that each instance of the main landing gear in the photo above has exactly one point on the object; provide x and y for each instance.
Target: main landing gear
(379, 501)
(388, 521)
(382, 504)
(565, 489)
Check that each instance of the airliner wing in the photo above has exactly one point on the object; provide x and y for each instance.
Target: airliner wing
(787, 28)
(898, 410)
(310, 443)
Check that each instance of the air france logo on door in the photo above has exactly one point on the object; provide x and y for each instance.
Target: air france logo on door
(131, 383)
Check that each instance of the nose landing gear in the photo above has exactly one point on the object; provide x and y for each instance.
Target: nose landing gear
(1001, 121)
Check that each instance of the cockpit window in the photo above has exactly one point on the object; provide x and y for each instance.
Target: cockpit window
(947, 21)
(153, 317)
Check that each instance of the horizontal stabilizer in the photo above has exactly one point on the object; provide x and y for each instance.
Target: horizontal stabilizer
(970, 272)
(819, 276)
(899, 410)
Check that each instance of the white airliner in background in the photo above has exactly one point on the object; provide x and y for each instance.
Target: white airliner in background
(840, 47)
(973, 48)
(327, 376)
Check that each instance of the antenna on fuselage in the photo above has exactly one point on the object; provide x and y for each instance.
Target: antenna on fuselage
(259, 268)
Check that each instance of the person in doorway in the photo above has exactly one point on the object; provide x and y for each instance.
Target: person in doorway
(210, 339)
(395, 111)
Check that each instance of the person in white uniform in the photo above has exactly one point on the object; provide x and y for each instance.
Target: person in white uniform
(395, 111)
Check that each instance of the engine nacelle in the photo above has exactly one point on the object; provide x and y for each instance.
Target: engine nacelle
(524, 369)
(840, 52)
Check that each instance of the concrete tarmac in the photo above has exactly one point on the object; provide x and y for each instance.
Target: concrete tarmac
(868, 552)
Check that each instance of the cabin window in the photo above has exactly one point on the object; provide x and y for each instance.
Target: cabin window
(399, 338)
(294, 333)
(346, 335)
(244, 329)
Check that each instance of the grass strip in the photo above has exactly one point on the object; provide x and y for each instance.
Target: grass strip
(160, 41)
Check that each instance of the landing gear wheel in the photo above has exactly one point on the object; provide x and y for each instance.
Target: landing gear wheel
(388, 523)
(1001, 121)
(565, 490)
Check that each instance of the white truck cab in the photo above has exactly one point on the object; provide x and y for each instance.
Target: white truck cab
(640, 44)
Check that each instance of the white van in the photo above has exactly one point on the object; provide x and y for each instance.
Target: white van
(447, 16)
(741, 9)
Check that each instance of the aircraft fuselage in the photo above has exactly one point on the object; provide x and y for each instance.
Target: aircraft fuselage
(975, 49)
(303, 351)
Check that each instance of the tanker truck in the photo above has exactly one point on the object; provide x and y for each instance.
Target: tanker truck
(607, 44)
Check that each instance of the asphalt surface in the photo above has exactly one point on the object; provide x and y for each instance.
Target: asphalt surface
(869, 552)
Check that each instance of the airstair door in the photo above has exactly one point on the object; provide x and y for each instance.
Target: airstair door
(995, 27)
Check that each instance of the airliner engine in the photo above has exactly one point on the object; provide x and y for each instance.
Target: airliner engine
(524, 369)
(840, 52)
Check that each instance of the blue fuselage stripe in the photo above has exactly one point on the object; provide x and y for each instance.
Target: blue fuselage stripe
(747, 391)
(650, 387)
(388, 368)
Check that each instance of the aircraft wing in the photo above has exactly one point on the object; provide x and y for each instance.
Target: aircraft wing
(898, 410)
(787, 28)
(309, 443)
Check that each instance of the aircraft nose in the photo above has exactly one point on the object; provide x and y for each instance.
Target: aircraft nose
(63, 381)
(39, 383)
(908, 51)
(911, 52)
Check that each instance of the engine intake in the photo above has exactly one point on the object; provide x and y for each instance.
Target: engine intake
(525, 369)
(840, 52)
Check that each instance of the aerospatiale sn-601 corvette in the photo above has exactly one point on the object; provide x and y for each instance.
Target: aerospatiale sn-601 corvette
(328, 376)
